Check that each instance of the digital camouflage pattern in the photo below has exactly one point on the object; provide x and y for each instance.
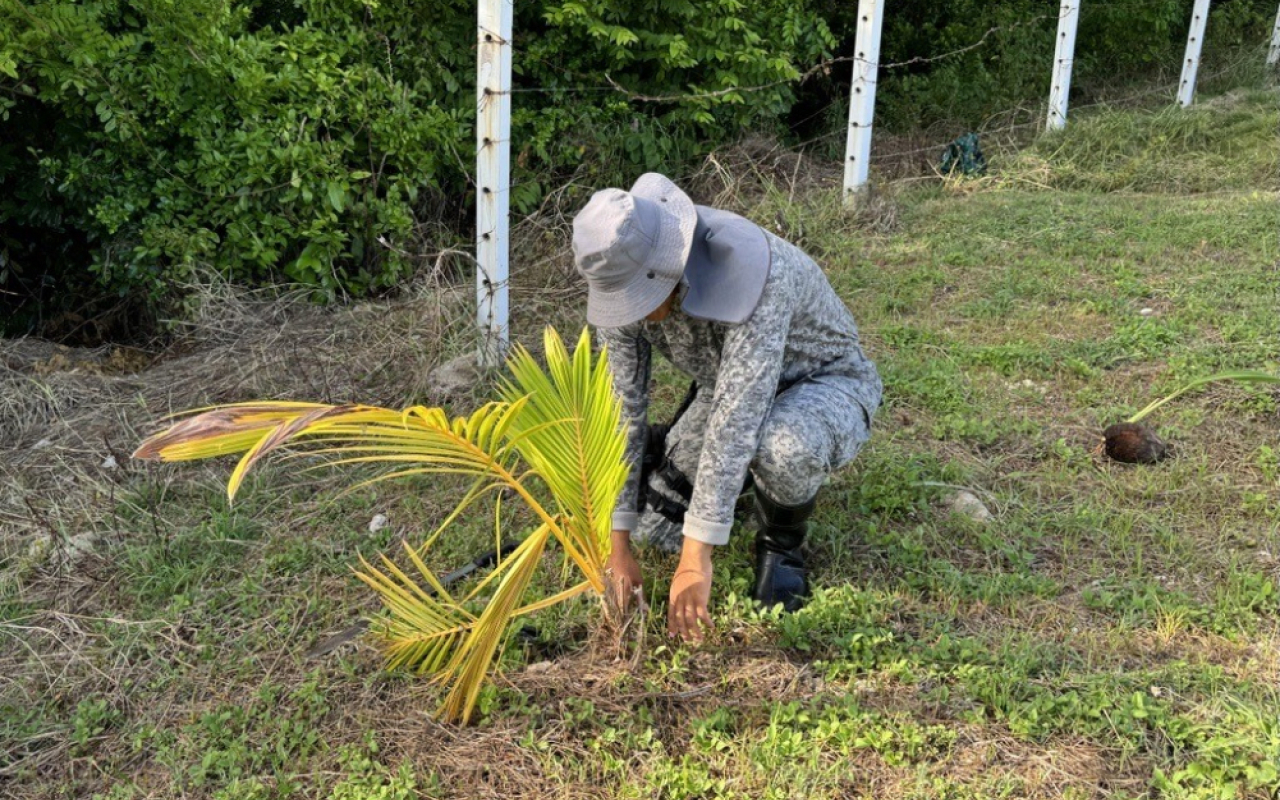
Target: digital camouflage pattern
(800, 338)
(811, 430)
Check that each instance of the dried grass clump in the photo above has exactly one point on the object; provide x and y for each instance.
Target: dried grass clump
(1229, 146)
(755, 171)
(68, 417)
(877, 210)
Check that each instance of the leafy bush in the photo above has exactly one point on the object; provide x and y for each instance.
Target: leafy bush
(329, 142)
(324, 142)
(1012, 67)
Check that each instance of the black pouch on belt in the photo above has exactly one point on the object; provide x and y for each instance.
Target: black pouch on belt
(656, 462)
(657, 466)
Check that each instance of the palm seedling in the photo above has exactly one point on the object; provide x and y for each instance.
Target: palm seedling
(1134, 443)
(554, 440)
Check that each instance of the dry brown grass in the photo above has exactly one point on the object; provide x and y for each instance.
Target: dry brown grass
(69, 418)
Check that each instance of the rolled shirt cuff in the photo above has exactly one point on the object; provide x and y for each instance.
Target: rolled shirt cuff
(706, 531)
(625, 520)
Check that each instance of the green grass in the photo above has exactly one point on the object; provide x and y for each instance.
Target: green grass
(1225, 144)
(1113, 631)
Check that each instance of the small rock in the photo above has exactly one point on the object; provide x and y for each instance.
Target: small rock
(61, 553)
(1146, 312)
(80, 544)
(456, 378)
(378, 522)
(541, 666)
(42, 444)
(109, 463)
(967, 504)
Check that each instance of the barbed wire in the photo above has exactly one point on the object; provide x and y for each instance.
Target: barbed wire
(1038, 122)
(1166, 88)
(613, 86)
(823, 67)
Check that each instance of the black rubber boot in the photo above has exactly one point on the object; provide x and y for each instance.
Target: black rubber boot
(780, 571)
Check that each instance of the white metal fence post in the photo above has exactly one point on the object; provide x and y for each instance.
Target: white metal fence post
(493, 177)
(1063, 60)
(1191, 63)
(862, 97)
(1273, 55)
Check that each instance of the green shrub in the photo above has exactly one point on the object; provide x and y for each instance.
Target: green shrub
(326, 142)
(330, 142)
(1012, 67)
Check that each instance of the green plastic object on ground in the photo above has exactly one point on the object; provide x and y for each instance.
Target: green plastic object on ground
(964, 155)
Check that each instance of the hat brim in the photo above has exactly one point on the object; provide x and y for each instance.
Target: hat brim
(643, 294)
(727, 269)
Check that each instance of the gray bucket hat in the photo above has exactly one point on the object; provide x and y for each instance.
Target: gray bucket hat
(631, 247)
(727, 268)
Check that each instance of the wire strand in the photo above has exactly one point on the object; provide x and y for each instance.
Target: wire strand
(823, 67)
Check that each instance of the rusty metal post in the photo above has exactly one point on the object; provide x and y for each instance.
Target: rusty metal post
(493, 177)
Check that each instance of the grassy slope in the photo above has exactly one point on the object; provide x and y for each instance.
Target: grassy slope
(1113, 631)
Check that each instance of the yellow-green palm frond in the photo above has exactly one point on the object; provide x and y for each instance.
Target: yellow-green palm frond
(580, 459)
(1245, 376)
(430, 631)
(419, 440)
(424, 626)
(470, 665)
(564, 423)
(222, 430)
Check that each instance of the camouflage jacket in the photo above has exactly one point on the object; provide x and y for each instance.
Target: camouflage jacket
(800, 330)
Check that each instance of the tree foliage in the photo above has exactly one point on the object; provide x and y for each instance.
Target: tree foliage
(321, 141)
(329, 142)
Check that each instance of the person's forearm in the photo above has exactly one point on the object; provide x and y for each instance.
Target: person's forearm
(621, 540)
(696, 555)
(687, 614)
(630, 360)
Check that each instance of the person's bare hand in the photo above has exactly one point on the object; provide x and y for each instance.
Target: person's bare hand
(625, 578)
(687, 613)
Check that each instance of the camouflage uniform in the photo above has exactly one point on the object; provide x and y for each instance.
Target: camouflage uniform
(788, 394)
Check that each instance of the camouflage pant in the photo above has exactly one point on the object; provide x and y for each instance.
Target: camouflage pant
(812, 429)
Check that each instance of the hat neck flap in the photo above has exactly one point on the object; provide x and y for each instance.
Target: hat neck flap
(727, 267)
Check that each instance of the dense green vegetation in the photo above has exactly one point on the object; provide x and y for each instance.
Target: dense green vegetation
(326, 143)
(145, 143)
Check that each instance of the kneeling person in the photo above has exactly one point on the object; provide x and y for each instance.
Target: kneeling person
(784, 391)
